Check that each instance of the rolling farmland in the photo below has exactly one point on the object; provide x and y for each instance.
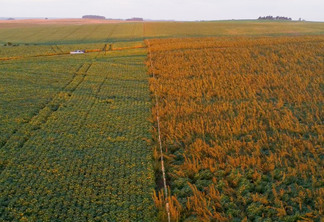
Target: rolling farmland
(240, 105)
(117, 32)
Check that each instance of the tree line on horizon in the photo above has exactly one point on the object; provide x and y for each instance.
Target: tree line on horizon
(103, 18)
(269, 17)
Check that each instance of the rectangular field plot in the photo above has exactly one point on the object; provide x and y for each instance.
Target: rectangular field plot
(242, 127)
(75, 145)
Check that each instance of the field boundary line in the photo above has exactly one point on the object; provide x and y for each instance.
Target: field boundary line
(159, 137)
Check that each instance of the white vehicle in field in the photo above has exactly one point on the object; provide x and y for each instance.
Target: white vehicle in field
(77, 52)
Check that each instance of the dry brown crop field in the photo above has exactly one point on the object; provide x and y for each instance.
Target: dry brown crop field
(241, 127)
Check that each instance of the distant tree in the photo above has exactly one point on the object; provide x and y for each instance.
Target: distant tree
(135, 19)
(93, 17)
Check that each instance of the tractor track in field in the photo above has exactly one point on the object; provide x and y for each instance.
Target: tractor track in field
(92, 104)
(54, 106)
(56, 49)
(95, 95)
(21, 136)
(59, 49)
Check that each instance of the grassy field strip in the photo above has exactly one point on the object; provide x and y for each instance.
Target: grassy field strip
(58, 51)
(86, 158)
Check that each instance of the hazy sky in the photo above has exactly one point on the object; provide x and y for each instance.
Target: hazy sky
(312, 10)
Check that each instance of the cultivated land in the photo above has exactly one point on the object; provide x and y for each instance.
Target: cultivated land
(74, 132)
(241, 120)
(20, 32)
